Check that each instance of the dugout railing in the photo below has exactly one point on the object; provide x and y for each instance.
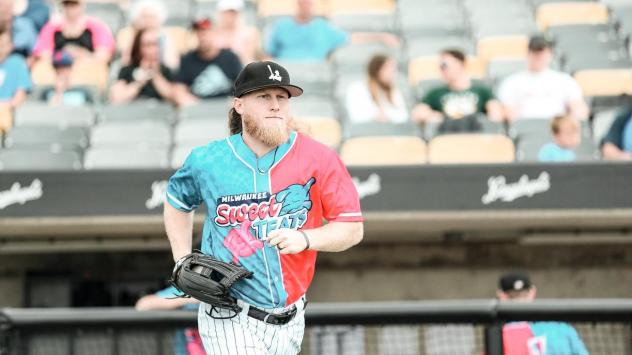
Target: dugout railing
(382, 328)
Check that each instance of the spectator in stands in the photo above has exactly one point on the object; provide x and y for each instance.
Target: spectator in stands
(167, 299)
(617, 144)
(541, 92)
(35, 10)
(566, 137)
(63, 93)
(231, 32)
(150, 15)
(545, 337)
(377, 98)
(207, 71)
(146, 77)
(22, 29)
(459, 100)
(306, 37)
(81, 36)
(15, 80)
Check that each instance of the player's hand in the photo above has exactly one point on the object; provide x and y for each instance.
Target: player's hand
(288, 241)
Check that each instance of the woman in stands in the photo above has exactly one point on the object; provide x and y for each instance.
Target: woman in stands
(149, 15)
(231, 32)
(145, 77)
(78, 35)
(377, 98)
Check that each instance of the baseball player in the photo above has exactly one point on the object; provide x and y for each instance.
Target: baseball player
(267, 190)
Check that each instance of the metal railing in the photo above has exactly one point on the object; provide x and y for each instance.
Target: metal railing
(21, 330)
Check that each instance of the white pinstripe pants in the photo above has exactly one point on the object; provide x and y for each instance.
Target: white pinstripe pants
(244, 335)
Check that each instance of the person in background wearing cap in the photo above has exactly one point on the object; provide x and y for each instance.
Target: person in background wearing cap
(288, 183)
(79, 35)
(63, 93)
(306, 37)
(534, 338)
(541, 92)
(146, 77)
(207, 71)
(231, 32)
(149, 15)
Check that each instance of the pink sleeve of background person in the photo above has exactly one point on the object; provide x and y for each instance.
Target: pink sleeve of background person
(101, 34)
(339, 195)
(46, 39)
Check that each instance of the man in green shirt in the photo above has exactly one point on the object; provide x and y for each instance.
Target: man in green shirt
(459, 97)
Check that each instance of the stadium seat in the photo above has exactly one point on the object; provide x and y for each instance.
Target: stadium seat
(370, 22)
(6, 118)
(427, 67)
(471, 148)
(375, 129)
(207, 109)
(38, 160)
(502, 47)
(324, 129)
(601, 123)
(55, 139)
(124, 158)
(137, 110)
(384, 150)
(316, 78)
(200, 132)
(131, 134)
(84, 73)
(40, 114)
(309, 105)
(352, 59)
(498, 69)
(428, 46)
(430, 130)
(563, 13)
(605, 82)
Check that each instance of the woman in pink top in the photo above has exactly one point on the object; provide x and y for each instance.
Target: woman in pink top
(76, 34)
(231, 32)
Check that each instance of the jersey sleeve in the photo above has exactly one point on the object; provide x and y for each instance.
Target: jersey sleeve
(183, 192)
(576, 342)
(339, 196)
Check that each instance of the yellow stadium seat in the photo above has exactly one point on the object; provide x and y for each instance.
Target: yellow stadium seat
(605, 82)
(566, 13)
(427, 67)
(287, 7)
(471, 148)
(85, 72)
(383, 150)
(6, 117)
(326, 130)
(502, 47)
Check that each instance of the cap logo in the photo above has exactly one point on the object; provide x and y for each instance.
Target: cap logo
(274, 75)
(518, 285)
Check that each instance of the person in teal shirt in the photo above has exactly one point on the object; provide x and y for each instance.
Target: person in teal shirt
(566, 137)
(556, 338)
(306, 37)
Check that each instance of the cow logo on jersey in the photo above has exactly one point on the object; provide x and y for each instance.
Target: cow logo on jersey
(262, 213)
(241, 242)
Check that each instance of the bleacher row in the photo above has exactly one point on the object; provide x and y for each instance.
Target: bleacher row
(592, 43)
(154, 135)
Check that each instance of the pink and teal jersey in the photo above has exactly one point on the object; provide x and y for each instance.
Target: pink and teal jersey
(298, 185)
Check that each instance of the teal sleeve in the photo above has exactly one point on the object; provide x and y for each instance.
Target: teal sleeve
(183, 192)
(576, 342)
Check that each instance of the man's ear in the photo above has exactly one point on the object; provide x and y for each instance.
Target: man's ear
(238, 105)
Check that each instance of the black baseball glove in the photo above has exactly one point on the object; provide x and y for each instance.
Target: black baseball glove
(207, 279)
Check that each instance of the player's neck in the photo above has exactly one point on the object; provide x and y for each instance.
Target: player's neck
(258, 147)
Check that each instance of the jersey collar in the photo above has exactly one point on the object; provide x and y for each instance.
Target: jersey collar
(267, 161)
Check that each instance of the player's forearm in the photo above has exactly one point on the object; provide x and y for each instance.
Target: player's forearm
(179, 227)
(335, 236)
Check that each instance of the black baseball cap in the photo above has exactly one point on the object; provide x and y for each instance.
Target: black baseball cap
(514, 281)
(261, 75)
(539, 42)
